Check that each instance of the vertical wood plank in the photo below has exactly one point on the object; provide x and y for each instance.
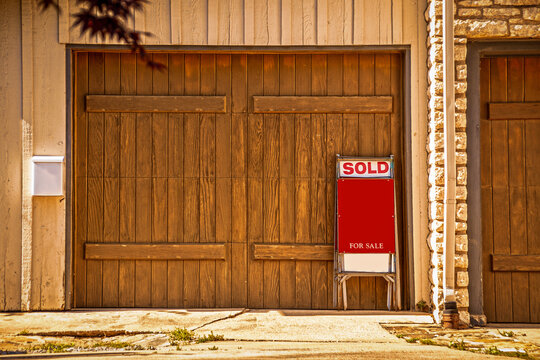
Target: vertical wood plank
(372, 21)
(224, 22)
(239, 210)
(350, 147)
(126, 268)
(111, 182)
(274, 22)
(286, 22)
(223, 182)
(94, 278)
(213, 21)
(143, 202)
(195, 30)
(237, 22)
(302, 181)
(249, 22)
(271, 181)
(260, 18)
(322, 22)
(80, 146)
(385, 22)
(175, 184)
(175, 269)
(334, 135)
(517, 192)
(397, 22)
(366, 129)
(309, 17)
(485, 178)
(239, 84)
(160, 86)
(532, 168)
(382, 143)
(499, 171)
(336, 21)
(287, 269)
(192, 78)
(319, 275)
(94, 275)
(157, 22)
(348, 26)
(176, 21)
(358, 22)
(396, 146)
(208, 183)
(254, 184)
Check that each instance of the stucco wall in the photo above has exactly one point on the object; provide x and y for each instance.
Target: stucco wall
(474, 19)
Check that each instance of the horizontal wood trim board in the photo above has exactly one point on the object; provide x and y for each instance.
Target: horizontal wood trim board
(129, 251)
(293, 252)
(514, 111)
(515, 262)
(142, 103)
(323, 104)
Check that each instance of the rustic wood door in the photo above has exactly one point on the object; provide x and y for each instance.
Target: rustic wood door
(510, 178)
(202, 196)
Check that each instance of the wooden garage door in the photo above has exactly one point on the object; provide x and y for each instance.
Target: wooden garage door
(510, 175)
(222, 201)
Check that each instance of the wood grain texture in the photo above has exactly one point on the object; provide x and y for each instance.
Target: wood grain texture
(262, 22)
(509, 90)
(157, 251)
(167, 104)
(293, 252)
(515, 262)
(323, 104)
(230, 209)
(514, 110)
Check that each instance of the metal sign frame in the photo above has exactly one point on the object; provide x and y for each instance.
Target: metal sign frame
(393, 275)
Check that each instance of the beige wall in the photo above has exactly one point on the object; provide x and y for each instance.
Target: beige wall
(10, 155)
(263, 22)
(44, 128)
(41, 222)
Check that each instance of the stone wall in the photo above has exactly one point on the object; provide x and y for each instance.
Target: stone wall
(480, 19)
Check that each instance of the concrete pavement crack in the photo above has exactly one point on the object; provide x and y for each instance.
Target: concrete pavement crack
(231, 316)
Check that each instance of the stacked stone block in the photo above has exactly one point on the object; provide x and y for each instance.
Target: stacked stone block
(436, 161)
(474, 19)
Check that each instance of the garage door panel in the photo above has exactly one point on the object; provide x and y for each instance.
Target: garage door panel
(532, 149)
(237, 177)
(509, 180)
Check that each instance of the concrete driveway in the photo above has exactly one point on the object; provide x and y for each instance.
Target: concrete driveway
(248, 334)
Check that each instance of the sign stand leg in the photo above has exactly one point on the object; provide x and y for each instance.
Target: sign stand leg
(344, 285)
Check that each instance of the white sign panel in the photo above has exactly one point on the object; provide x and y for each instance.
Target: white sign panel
(365, 168)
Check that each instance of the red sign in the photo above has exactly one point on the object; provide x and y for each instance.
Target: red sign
(365, 168)
(366, 215)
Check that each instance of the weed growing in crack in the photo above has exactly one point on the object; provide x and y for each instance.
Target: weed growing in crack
(184, 336)
(411, 340)
(506, 333)
(210, 337)
(458, 345)
(117, 345)
(213, 348)
(51, 347)
(427, 342)
(179, 336)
